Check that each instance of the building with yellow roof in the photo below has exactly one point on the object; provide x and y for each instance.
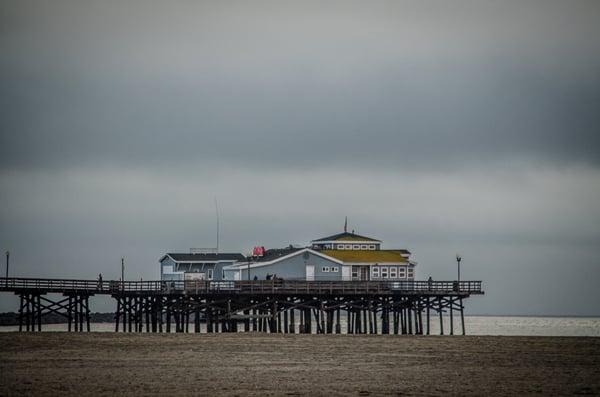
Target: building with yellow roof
(341, 257)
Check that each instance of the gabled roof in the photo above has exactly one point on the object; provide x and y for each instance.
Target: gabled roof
(368, 256)
(345, 236)
(212, 257)
(274, 253)
(293, 252)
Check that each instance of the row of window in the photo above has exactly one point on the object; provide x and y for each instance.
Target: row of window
(333, 269)
(392, 272)
(356, 246)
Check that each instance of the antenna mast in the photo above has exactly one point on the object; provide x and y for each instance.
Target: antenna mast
(217, 212)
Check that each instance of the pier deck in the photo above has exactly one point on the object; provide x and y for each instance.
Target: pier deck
(388, 307)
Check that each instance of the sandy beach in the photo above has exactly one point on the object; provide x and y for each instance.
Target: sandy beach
(252, 364)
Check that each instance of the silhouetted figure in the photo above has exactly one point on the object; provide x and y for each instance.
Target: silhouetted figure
(100, 281)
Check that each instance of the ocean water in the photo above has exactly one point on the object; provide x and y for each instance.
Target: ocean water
(475, 325)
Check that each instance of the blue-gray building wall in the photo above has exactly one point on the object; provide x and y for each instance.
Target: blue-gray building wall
(169, 276)
(181, 268)
(292, 268)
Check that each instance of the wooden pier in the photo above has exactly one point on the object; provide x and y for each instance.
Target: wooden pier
(274, 306)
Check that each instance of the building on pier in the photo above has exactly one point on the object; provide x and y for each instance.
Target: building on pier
(196, 265)
(341, 257)
(365, 257)
(289, 264)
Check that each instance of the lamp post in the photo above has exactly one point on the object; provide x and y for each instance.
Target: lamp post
(123, 273)
(7, 256)
(458, 259)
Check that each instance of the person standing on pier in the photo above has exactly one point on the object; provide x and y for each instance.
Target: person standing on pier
(100, 281)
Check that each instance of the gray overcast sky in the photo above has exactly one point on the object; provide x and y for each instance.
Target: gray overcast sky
(441, 127)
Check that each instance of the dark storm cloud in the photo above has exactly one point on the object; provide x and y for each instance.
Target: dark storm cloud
(296, 85)
(441, 127)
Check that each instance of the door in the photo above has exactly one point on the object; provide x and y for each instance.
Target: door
(346, 276)
(364, 273)
(237, 275)
(310, 272)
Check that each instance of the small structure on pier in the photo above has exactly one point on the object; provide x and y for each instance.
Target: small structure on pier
(196, 265)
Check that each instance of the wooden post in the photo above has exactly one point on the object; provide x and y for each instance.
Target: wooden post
(370, 315)
(292, 324)
(168, 314)
(428, 319)
(39, 312)
(21, 313)
(27, 312)
(147, 306)
(308, 322)
(274, 318)
(81, 313)
(124, 311)
(348, 320)
(87, 312)
(441, 320)
(451, 316)
(462, 316)
(246, 320)
(129, 313)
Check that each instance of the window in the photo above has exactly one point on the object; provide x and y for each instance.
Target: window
(348, 246)
(335, 269)
(402, 272)
(411, 273)
(393, 272)
(356, 247)
(325, 269)
(210, 274)
(340, 246)
(375, 271)
(384, 272)
(371, 247)
(364, 247)
(354, 272)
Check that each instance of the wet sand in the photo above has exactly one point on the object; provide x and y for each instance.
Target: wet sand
(254, 364)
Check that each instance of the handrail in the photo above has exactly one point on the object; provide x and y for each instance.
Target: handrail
(253, 286)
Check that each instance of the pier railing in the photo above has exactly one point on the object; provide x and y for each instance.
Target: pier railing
(244, 287)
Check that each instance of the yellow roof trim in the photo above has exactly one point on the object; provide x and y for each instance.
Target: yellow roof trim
(367, 256)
